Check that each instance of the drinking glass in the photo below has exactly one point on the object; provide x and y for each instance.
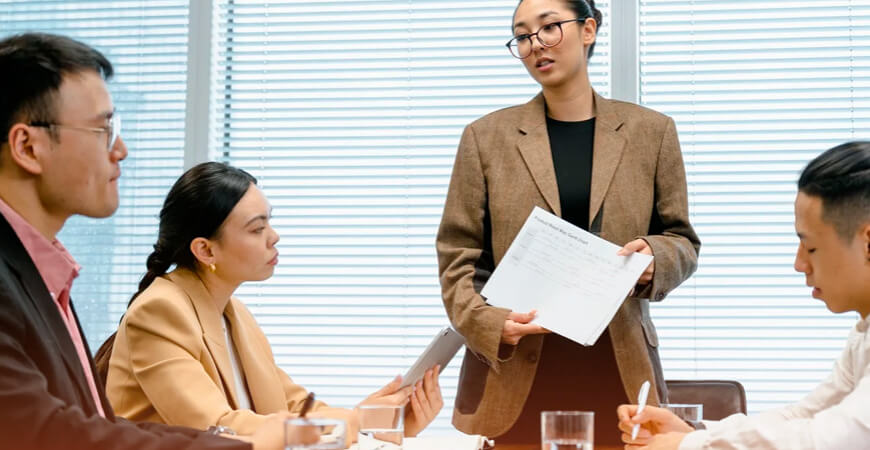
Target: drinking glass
(563, 430)
(381, 427)
(686, 411)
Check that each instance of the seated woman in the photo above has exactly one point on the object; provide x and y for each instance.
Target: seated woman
(189, 353)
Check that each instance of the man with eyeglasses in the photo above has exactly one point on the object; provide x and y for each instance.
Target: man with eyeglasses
(60, 156)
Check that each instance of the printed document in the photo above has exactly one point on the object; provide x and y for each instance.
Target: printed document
(457, 441)
(574, 279)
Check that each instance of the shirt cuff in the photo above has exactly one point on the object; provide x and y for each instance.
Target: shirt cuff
(695, 440)
(698, 425)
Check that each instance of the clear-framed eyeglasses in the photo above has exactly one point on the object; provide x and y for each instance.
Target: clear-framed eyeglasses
(549, 35)
(113, 130)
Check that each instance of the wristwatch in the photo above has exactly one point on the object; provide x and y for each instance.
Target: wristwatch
(220, 429)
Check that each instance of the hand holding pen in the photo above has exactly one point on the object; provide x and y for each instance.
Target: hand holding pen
(641, 424)
(641, 402)
(300, 430)
(306, 405)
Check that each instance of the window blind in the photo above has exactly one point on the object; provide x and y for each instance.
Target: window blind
(757, 88)
(349, 113)
(146, 41)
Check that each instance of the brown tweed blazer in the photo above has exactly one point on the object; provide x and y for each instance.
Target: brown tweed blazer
(504, 169)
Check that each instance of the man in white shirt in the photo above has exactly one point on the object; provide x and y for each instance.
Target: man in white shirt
(832, 220)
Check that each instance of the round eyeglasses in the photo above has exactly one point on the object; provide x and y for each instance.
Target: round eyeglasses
(113, 130)
(549, 35)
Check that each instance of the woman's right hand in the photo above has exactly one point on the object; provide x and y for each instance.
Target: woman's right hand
(653, 421)
(518, 325)
(270, 435)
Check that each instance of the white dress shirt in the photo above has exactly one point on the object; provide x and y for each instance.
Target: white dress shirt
(835, 416)
(238, 375)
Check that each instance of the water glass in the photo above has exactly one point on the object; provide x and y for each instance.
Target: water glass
(381, 427)
(685, 411)
(563, 430)
(315, 434)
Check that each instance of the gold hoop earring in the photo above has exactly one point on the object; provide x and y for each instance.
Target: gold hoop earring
(212, 267)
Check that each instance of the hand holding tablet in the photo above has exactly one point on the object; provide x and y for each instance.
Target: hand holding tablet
(439, 352)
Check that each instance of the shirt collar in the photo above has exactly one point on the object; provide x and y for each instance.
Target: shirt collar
(863, 324)
(55, 264)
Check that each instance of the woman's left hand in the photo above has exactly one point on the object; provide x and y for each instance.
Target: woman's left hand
(640, 246)
(425, 403)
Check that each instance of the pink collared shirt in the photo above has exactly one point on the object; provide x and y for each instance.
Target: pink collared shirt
(58, 269)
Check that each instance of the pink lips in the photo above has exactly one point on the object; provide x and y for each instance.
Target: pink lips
(544, 64)
(273, 261)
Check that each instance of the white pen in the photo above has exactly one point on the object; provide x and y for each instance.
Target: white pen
(641, 402)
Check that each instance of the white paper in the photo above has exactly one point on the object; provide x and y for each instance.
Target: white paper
(458, 441)
(574, 279)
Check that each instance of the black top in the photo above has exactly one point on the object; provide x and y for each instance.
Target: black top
(571, 376)
(571, 145)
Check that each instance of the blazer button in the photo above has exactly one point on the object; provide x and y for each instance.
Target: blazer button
(532, 357)
(660, 296)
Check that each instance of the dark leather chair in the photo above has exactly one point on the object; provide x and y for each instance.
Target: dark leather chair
(720, 398)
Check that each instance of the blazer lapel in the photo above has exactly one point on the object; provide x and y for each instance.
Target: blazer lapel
(212, 328)
(101, 390)
(264, 385)
(54, 327)
(534, 146)
(607, 151)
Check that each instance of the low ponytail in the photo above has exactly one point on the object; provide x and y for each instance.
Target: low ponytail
(157, 265)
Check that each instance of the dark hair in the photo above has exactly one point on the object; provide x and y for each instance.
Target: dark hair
(583, 9)
(32, 68)
(196, 206)
(840, 177)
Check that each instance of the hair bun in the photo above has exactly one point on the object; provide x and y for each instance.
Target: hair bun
(596, 13)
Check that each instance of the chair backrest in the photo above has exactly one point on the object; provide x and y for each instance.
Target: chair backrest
(720, 398)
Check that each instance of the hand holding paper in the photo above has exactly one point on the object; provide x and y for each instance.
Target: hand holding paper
(640, 246)
(518, 325)
(574, 279)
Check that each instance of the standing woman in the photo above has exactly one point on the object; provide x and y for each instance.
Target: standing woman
(610, 167)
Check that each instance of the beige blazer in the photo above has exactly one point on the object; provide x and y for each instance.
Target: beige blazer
(170, 363)
(503, 169)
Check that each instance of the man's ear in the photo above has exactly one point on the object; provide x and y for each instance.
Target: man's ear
(864, 235)
(201, 249)
(24, 145)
